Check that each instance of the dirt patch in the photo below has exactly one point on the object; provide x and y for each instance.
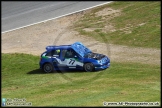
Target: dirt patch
(34, 39)
(108, 11)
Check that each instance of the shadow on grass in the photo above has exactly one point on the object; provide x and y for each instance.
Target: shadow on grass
(39, 71)
(36, 71)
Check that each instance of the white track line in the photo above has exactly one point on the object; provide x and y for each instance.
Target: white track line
(57, 17)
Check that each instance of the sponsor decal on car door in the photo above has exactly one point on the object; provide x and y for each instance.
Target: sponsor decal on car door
(70, 62)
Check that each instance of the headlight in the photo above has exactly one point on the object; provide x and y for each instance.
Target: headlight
(99, 61)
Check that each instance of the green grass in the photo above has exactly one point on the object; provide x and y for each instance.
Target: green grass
(122, 82)
(138, 24)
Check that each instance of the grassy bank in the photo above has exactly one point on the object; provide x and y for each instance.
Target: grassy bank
(124, 82)
(132, 23)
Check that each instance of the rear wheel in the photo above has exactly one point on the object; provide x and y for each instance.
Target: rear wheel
(88, 67)
(47, 68)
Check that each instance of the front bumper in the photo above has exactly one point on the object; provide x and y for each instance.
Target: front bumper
(101, 67)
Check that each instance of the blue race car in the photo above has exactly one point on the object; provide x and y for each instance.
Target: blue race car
(74, 56)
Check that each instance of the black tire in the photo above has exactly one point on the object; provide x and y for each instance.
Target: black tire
(47, 68)
(88, 67)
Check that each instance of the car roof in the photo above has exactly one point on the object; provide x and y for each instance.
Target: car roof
(52, 47)
(77, 47)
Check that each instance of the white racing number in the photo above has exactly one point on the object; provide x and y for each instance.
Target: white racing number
(71, 61)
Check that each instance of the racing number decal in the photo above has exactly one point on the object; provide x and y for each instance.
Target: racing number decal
(71, 61)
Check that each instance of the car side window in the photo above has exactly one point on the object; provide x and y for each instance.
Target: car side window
(63, 53)
(55, 53)
(69, 54)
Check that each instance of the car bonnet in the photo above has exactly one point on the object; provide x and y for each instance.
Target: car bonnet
(80, 48)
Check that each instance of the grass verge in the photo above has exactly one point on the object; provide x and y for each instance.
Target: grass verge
(122, 82)
(128, 23)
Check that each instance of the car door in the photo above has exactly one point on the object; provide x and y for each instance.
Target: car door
(70, 59)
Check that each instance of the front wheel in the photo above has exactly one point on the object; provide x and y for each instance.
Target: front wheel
(88, 67)
(47, 68)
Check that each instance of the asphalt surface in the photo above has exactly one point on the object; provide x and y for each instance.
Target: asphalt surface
(18, 14)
